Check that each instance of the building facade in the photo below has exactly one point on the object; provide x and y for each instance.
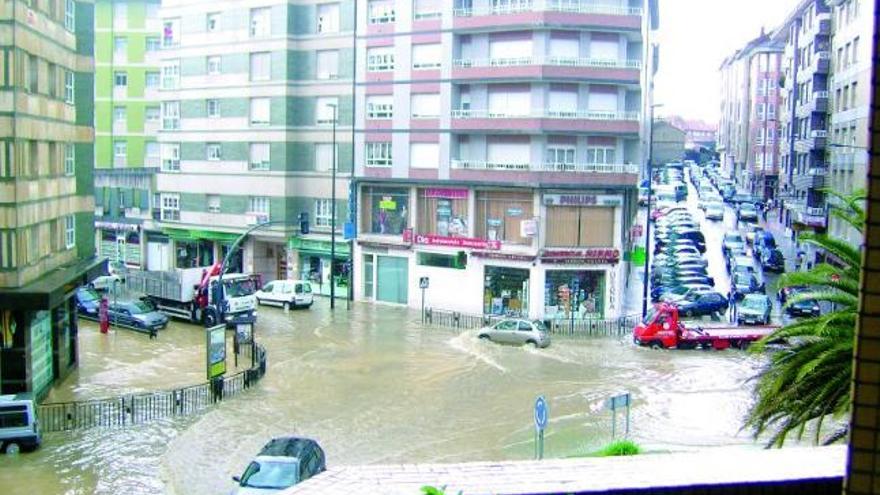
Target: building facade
(127, 42)
(498, 153)
(249, 92)
(669, 143)
(852, 24)
(46, 192)
(804, 120)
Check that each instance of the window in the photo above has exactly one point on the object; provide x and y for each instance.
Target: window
(380, 59)
(120, 48)
(424, 155)
(565, 48)
(260, 66)
(510, 46)
(32, 74)
(602, 99)
(328, 18)
(759, 108)
(170, 32)
(151, 44)
(119, 115)
(213, 22)
(510, 100)
(260, 26)
(573, 226)
(170, 209)
(601, 154)
(378, 154)
(52, 80)
(151, 150)
(510, 153)
(260, 111)
(260, 156)
(771, 135)
(120, 80)
(426, 9)
(69, 160)
(68, 87)
(120, 153)
(853, 94)
(560, 155)
(425, 105)
(384, 210)
(323, 212)
(381, 11)
(499, 215)
(380, 106)
(258, 204)
(324, 157)
(170, 157)
(69, 15)
(170, 115)
(171, 75)
(443, 212)
(69, 231)
(213, 201)
(152, 10)
(120, 14)
(326, 109)
(771, 111)
(214, 66)
(563, 100)
(151, 114)
(213, 108)
(327, 64)
(855, 50)
(212, 151)
(151, 80)
(426, 56)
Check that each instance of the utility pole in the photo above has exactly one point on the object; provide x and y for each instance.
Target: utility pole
(333, 216)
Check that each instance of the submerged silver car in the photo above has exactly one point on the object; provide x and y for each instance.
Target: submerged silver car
(517, 332)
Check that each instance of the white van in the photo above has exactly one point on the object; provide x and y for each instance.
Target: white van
(286, 293)
(19, 429)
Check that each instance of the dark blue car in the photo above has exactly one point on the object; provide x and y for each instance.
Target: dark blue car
(87, 301)
(703, 304)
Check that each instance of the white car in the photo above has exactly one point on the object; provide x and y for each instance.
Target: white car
(286, 293)
(715, 211)
(105, 282)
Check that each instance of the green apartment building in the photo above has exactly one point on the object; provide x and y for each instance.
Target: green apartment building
(248, 93)
(127, 42)
(46, 190)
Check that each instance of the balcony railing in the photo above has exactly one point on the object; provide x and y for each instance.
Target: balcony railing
(546, 114)
(549, 60)
(595, 168)
(483, 165)
(566, 6)
(818, 134)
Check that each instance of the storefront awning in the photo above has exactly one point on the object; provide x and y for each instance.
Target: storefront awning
(49, 290)
(194, 235)
(318, 247)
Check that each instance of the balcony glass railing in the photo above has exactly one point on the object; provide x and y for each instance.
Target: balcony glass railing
(546, 114)
(567, 6)
(549, 60)
(483, 165)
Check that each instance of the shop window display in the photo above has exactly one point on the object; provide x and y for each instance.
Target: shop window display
(191, 254)
(443, 212)
(384, 210)
(506, 291)
(581, 292)
(499, 216)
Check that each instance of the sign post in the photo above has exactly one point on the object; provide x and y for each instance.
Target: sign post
(423, 284)
(542, 416)
(215, 345)
(615, 403)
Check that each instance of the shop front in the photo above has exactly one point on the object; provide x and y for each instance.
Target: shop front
(580, 283)
(506, 291)
(196, 248)
(315, 264)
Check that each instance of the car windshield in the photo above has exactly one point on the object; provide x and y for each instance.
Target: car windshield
(270, 475)
(649, 315)
(742, 278)
(754, 303)
(733, 239)
(748, 206)
(239, 288)
(138, 308)
(87, 295)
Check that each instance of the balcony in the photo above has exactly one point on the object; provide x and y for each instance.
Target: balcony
(813, 179)
(549, 12)
(811, 216)
(546, 173)
(817, 140)
(817, 104)
(547, 67)
(594, 121)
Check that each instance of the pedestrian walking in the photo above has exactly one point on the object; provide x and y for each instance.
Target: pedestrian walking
(731, 305)
(153, 333)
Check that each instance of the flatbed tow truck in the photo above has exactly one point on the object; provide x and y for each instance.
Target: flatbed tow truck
(662, 328)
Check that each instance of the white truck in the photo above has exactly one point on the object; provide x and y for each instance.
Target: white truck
(193, 294)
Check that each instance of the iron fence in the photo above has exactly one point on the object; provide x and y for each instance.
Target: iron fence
(578, 327)
(136, 409)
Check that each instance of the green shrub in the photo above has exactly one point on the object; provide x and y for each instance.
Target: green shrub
(620, 447)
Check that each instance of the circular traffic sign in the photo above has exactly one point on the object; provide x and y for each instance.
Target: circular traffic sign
(542, 413)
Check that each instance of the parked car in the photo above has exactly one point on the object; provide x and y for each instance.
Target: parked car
(746, 212)
(703, 304)
(732, 241)
(286, 293)
(87, 302)
(754, 309)
(116, 274)
(772, 260)
(517, 332)
(745, 283)
(660, 291)
(715, 211)
(281, 463)
(19, 429)
(763, 240)
(681, 292)
(137, 314)
(783, 293)
(804, 307)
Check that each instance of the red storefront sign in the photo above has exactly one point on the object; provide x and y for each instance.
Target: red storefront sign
(446, 193)
(408, 235)
(502, 256)
(581, 256)
(459, 242)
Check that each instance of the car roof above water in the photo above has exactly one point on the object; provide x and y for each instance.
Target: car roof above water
(288, 447)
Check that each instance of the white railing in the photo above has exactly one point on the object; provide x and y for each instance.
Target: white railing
(812, 211)
(421, 16)
(820, 94)
(596, 168)
(483, 165)
(820, 171)
(549, 60)
(818, 134)
(566, 6)
(547, 114)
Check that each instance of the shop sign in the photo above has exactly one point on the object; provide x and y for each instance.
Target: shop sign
(446, 192)
(459, 242)
(408, 235)
(494, 222)
(387, 204)
(581, 256)
(503, 256)
(528, 228)
(131, 227)
(514, 212)
(582, 200)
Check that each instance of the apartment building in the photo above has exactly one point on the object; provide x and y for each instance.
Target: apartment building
(498, 151)
(251, 92)
(46, 194)
(127, 43)
(748, 130)
(804, 120)
(852, 24)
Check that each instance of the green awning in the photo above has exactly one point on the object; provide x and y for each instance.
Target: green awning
(195, 235)
(317, 247)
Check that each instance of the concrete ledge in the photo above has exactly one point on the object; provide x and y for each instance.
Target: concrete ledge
(721, 471)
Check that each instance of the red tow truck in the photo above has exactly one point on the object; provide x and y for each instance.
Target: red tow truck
(662, 328)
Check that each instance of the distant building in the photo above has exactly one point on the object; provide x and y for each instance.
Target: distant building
(698, 134)
(47, 246)
(669, 143)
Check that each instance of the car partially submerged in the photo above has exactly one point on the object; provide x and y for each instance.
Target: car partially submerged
(517, 332)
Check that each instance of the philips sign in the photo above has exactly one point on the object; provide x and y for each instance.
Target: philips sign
(582, 200)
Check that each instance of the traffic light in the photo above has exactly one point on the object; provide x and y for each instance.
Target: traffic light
(303, 223)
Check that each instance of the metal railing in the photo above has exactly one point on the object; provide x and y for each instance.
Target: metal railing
(548, 60)
(484, 165)
(565, 6)
(598, 168)
(578, 327)
(547, 114)
(134, 409)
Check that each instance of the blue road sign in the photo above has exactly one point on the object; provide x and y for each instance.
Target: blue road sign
(348, 232)
(542, 413)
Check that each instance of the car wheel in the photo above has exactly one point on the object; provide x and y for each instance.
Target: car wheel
(210, 318)
(656, 345)
(532, 344)
(286, 306)
(12, 448)
(689, 313)
(484, 337)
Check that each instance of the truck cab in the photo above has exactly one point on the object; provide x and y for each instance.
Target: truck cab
(660, 328)
(238, 296)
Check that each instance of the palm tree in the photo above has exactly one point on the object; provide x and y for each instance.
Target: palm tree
(807, 380)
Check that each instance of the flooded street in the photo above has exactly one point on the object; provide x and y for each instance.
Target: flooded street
(373, 386)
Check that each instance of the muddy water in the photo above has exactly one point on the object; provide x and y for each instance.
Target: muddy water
(372, 386)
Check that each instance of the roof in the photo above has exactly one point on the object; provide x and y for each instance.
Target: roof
(288, 447)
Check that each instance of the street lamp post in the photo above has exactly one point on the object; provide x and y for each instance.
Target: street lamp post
(333, 214)
(645, 277)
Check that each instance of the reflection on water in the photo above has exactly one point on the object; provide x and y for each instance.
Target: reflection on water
(372, 386)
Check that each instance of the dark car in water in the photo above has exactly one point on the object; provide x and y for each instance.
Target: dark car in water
(87, 302)
(137, 315)
(703, 304)
(772, 260)
(754, 309)
(801, 307)
(745, 283)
